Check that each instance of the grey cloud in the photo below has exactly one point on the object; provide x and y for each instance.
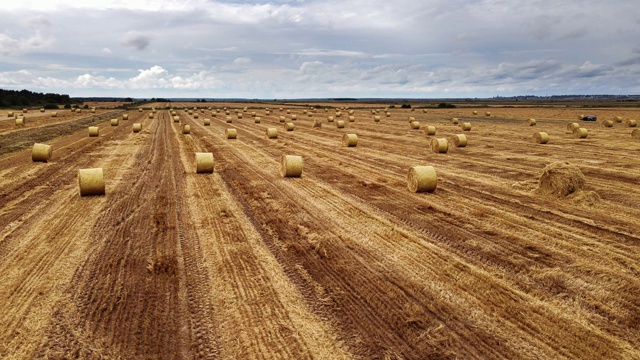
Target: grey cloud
(136, 41)
(38, 21)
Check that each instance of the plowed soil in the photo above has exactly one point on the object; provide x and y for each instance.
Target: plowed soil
(344, 262)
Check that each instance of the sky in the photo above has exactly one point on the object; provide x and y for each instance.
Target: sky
(320, 48)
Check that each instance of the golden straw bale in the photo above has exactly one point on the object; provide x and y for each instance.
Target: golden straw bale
(632, 123)
(206, 122)
(231, 133)
(541, 138)
(340, 124)
(531, 122)
(422, 179)
(186, 129)
(561, 179)
(94, 131)
(137, 127)
(41, 152)
(114, 122)
(291, 166)
(204, 162)
(466, 126)
(350, 140)
(91, 182)
(429, 130)
(580, 133)
(459, 140)
(288, 126)
(439, 146)
(272, 133)
(415, 125)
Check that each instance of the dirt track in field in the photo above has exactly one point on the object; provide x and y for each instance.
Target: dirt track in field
(343, 262)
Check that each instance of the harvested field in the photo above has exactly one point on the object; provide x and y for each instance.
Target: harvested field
(343, 262)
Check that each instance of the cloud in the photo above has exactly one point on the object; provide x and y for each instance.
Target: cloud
(136, 40)
(241, 61)
(8, 44)
(11, 46)
(37, 21)
(106, 50)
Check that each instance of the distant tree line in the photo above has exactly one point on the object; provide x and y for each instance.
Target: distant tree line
(24, 98)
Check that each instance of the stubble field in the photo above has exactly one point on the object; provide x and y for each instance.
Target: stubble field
(344, 262)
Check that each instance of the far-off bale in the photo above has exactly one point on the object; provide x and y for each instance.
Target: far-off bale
(41, 152)
(41, 110)
(340, 124)
(635, 134)
(290, 166)
(256, 120)
(465, 126)
(20, 121)
(411, 118)
(352, 118)
(114, 122)
(531, 122)
(186, 129)
(150, 116)
(475, 112)
(231, 134)
(617, 119)
(204, 163)
(137, 127)
(125, 116)
(488, 113)
(91, 182)
(25, 110)
(459, 140)
(350, 140)
(632, 123)
(228, 120)
(439, 146)
(282, 119)
(54, 114)
(10, 114)
(455, 121)
(294, 117)
(388, 114)
(415, 125)
(541, 138)
(429, 130)
(317, 123)
(94, 131)
(376, 118)
(176, 119)
(580, 133)
(78, 110)
(272, 133)
(607, 123)
(206, 122)
(195, 116)
(288, 126)
(338, 114)
(571, 127)
(561, 179)
(580, 116)
(330, 118)
(422, 179)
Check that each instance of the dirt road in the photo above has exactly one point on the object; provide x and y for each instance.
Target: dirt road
(343, 262)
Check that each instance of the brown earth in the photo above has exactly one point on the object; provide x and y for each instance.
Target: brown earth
(343, 262)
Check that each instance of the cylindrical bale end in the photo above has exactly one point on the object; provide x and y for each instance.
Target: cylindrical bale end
(272, 133)
(195, 116)
(455, 121)
(340, 124)
(617, 119)
(256, 120)
(607, 123)
(541, 138)
(571, 127)
(430, 130)
(439, 146)
(176, 119)
(422, 179)
(206, 122)
(137, 127)
(350, 140)
(204, 163)
(114, 122)
(41, 152)
(531, 122)
(150, 116)
(186, 129)
(466, 126)
(415, 125)
(94, 131)
(317, 123)
(294, 117)
(459, 140)
(288, 126)
(632, 123)
(91, 181)
(376, 118)
(291, 166)
(330, 118)
(352, 118)
(580, 133)
(282, 119)
(20, 121)
(231, 133)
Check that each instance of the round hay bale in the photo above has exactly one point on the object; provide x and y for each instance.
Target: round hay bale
(282, 119)
(607, 123)
(41, 152)
(488, 113)
(439, 146)
(338, 114)
(91, 182)
(352, 118)
(176, 119)
(20, 121)
(330, 118)
(54, 114)
(424, 111)
(206, 122)
(350, 112)
(340, 124)
(228, 120)
(294, 117)
(114, 122)
(272, 133)
(125, 116)
(455, 121)
(42, 110)
(10, 114)
(376, 118)
(291, 166)
(267, 112)
(350, 140)
(411, 118)
(635, 134)
(253, 114)
(466, 126)
(632, 123)
(139, 109)
(256, 120)
(186, 129)
(239, 115)
(288, 111)
(617, 119)
(204, 163)
(195, 116)
(541, 138)
(25, 110)
(150, 116)
(317, 123)
(572, 126)
(475, 112)
(310, 114)
(388, 114)
(580, 133)
(561, 179)
(288, 126)
(373, 112)
(137, 127)
(94, 131)
(190, 112)
(78, 110)
(430, 130)
(415, 125)
(304, 111)
(422, 179)
(459, 140)
(531, 122)
(231, 133)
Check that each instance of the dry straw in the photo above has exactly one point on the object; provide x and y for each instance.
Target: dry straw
(114, 122)
(137, 127)
(317, 123)
(459, 140)
(415, 125)
(422, 179)
(350, 140)
(635, 134)
(466, 126)
(25, 110)
(338, 114)
(91, 181)
(571, 127)
(607, 123)
(439, 146)
(239, 115)
(340, 124)
(78, 110)
(288, 111)
(288, 126)
(531, 122)
(186, 129)
(541, 138)
(231, 133)
(272, 133)
(41, 152)
(430, 130)
(94, 131)
(388, 114)
(561, 179)
(580, 133)
(206, 122)
(454, 121)
(350, 112)
(580, 116)
(256, 120)
(291, 166)
(411, 118)
(632, 123)
(204, 162)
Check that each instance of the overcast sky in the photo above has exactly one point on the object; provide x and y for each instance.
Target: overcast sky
(320, 48)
